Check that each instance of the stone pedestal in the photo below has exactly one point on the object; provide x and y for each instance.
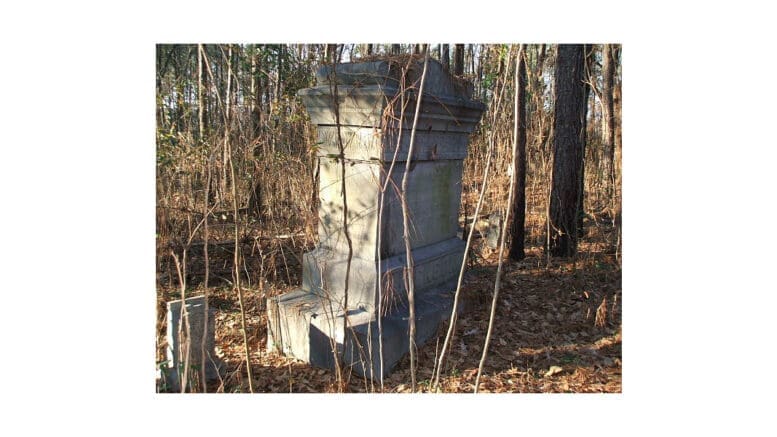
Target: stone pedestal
(308, 323)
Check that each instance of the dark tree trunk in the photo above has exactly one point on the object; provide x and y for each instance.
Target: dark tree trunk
(369, 49)
(567, 147)
(255, 205)
(256, 89)
(160, 113)
(179, 107)
(445, 58)
(267, 87)
(519, 201)
(458, 60)
(396, 49)
(589, 56)
(471, 54)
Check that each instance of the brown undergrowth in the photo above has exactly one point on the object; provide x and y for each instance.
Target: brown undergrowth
(547, 337)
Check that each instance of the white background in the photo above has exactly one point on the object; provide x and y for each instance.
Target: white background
(77, 185)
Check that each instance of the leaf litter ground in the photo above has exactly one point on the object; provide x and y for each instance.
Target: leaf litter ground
(557, 329)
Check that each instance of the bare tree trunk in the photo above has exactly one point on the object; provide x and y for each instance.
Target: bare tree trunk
(543, 54)
(227, 120)
(617, 145)
(333, 61)
(481, 56)
(503, 232)
(494, 110)
(388, 180)
(278, 86)
(519, 162)
(205, 238)
(396, 49)
(327, 54)
(200, 92)
(267, 87)
(206, 229)
(179, 105)
(567, 147)
(369, 49)
(184, 328)
(256, 91)
(159, 73)
(458, 60)
(228, 160)
(410, 271)
(608, 124)
(445, 57)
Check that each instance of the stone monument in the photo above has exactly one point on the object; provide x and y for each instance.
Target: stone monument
(195, 307)
(308, 323)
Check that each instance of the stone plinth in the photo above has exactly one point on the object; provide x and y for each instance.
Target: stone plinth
(308, 323)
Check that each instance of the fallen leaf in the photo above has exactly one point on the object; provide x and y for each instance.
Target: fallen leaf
(553, 370)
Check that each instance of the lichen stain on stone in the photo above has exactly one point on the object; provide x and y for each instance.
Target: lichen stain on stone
(441, 185)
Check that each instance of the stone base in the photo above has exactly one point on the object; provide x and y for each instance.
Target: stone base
(323, 273)
(308, 323)
(303, 325)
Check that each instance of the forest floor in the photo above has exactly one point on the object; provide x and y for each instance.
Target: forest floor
(557, 329)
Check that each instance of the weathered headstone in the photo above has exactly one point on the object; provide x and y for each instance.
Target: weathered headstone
(493, 230)
(176, 346)
(308, 323)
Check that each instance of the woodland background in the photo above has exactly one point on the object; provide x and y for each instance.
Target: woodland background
(79, 189)
(234, 144)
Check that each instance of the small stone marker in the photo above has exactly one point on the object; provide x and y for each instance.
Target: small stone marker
(176, 354)
(492, 232)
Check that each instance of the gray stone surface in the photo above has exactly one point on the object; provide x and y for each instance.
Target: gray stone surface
(367, 106)
(309, 323)
(195, 307)
(324, 273)
(307, 327)
(387, 74)
(492, 231)
(374, 144)
(433, 206)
